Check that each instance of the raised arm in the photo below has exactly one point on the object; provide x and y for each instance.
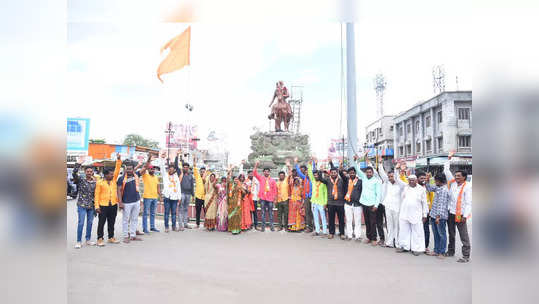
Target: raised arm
(255, 172)
(398, 179)
(146, 165)
(383, 173)
(300, 174)
(448, 175)
(359, 172)
(310, 170)
(75, 174)
(117, 167)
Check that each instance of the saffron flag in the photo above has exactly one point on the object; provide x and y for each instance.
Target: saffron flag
(178, 55)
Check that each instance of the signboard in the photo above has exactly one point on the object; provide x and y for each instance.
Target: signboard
(78, 132)
(182, 136)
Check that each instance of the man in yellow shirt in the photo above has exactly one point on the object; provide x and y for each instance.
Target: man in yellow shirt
(200, 192)
(150, 195)
(106, 201)
(282, 200)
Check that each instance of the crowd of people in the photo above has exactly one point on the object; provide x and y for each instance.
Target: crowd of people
(308, 199)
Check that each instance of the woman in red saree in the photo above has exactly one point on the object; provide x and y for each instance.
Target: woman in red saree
(296, 210)
(247, 205)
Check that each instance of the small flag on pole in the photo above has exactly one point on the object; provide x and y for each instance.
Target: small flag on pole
(178, 55)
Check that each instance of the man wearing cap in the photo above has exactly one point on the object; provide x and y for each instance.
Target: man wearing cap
(150, 195)
(413, 213)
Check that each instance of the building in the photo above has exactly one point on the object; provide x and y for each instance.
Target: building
(425, 133)
(379, 138)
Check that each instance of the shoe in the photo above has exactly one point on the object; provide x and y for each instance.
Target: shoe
(263, 229)
(100, 243)
(139, 233)
(181, 229)
(463, 260)
(431, 253)
(427, 251)
(272, 229)
(90, 243)
(308, 230)
(342, 237)
(349, 238)
(315, 234)
(197, 227)
(126, 240)
(78, 245)
(447, 254)
(440, 256)
(187, 226)
(175, 229)
(400, 250)
(144, 232)
(113, 241)
(331, 236)
(166, 230)
(357, 240)
(416, 253)
(155, 230)
(136, 239)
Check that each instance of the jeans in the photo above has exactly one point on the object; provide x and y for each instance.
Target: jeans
(199, 205)
(183, 215)
(170, 210)
(282, 214)
(150, 204)
(130, 219)
(89, 214)
(339, 210)
(440, 237)
(255, 217)
(267, 209)
(426, 228)
(319, 214)
(463, 233)
(108, 214)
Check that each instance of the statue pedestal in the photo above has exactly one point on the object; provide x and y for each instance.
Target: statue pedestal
(273, 148)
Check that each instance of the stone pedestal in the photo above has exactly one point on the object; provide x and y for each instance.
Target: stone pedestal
(273, 148)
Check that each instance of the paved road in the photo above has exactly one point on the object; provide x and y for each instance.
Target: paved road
(256, 267)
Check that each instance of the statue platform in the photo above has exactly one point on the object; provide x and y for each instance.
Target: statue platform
(273, 148)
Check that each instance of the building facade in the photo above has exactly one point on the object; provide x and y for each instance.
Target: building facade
(429, 130)
(379, 139)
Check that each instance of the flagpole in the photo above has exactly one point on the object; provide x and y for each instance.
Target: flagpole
(351, 108)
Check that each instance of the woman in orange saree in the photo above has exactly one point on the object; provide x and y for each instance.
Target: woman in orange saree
(296, 211)
(247, 205)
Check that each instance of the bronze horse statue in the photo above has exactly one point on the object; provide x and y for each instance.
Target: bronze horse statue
(281, 112)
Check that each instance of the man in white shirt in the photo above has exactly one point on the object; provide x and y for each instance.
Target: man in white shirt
(171, 192)
(391, 193)
(460, 209)
(413, 213)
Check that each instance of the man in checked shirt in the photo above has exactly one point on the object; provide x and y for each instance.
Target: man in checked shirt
(439, 213)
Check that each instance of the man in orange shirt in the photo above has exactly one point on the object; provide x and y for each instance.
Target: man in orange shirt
(106, 203)
(282, 201)
(150, 195)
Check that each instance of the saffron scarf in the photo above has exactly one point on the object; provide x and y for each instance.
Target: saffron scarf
(458, 211)
(136, 182)
(335, 190)
(351, 185)
(317, 188)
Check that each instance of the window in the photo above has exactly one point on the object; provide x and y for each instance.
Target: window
(418, 148)
(440, 144)
(391, 128)
(417, 125)
(408, 149)
(427, 122)
(401, 151)
(465, 141)
(464, 113)
(380, 131)
(428, 143)
(408, 128)
(440, 117)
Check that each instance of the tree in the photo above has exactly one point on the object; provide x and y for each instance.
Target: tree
(97, 141)
(137, 140)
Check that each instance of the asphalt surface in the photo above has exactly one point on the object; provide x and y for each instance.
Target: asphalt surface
(255, 267)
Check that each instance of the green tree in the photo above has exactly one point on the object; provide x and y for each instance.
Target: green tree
(97, 141)
(137, 140)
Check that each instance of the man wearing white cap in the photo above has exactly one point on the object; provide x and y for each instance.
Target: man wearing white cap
(413, 213)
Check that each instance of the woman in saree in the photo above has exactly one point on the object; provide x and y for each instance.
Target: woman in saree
(222, 206)
(247, 205)
(235, 196)
(210, 202)
(296, 210)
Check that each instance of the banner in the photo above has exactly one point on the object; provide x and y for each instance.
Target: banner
(78, 132)
(181, 136)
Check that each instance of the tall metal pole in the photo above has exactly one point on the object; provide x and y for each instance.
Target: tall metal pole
(351, 108)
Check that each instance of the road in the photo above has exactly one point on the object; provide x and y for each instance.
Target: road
(255, 267)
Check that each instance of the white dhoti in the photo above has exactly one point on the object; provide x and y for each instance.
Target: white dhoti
(411, 236)
(392, 219)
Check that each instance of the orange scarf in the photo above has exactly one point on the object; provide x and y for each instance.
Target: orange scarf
(267, 185)
(317, 188)
(296, 194)
(136, 182)
(335, 191)
(351, 185)
(458, 211)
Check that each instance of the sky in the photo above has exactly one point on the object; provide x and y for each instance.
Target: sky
(234, 66)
